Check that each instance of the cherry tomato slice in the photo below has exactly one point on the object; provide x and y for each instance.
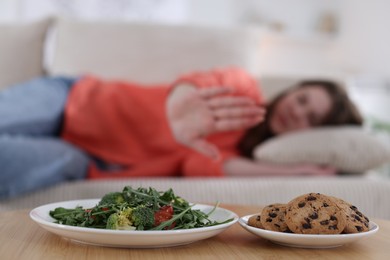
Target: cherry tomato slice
(163, 214)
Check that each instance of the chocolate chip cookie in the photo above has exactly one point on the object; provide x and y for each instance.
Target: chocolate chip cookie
(255, 221)
(315, 213)
(356, 221)
(273, 217)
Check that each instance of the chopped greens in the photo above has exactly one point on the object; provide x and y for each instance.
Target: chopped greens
(137, 209)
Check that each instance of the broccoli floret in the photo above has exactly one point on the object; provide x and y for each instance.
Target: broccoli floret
(142, 217)
(112, 198)
(121, 220)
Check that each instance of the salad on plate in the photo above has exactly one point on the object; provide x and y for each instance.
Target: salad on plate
(137, 209)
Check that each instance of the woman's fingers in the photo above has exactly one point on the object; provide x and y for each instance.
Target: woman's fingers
(214, 91)
(229, 101)
(218, 97)
(237, 118)
(230, 124)
(240, 111)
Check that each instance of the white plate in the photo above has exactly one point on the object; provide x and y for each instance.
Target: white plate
(307, 241)
(125, 238)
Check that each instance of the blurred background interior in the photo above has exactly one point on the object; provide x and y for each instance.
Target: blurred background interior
(300, 38)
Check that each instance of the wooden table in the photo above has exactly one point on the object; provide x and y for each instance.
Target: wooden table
(21, 238)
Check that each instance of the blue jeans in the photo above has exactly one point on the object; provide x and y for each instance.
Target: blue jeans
(32, 155)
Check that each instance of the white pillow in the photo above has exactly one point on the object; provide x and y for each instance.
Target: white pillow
(22, 51)
(350, 149)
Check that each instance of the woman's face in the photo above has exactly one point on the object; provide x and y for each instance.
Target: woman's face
(301, 108)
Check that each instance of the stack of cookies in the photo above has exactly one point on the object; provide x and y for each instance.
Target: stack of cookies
(311, 213)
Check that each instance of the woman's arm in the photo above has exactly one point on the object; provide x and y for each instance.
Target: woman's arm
(194, 113)
(240, 166)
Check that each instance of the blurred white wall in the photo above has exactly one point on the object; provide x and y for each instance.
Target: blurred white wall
(9, 10)
(364, 39)
(297, 43)
(363, 49)
(305, 37)
(167, 11)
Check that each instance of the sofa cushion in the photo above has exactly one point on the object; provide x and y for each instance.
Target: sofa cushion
(350, 149)
(21, 51)
(149, 53)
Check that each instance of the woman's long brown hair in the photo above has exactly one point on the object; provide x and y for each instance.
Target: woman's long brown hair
(343, 112)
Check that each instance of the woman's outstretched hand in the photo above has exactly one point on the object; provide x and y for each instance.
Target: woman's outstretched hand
(196, 113)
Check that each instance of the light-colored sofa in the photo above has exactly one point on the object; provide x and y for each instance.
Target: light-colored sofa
(151, 53)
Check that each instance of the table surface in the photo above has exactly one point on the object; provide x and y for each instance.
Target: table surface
(22, 238)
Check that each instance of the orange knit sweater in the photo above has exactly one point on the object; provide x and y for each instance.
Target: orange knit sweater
(125, 123)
